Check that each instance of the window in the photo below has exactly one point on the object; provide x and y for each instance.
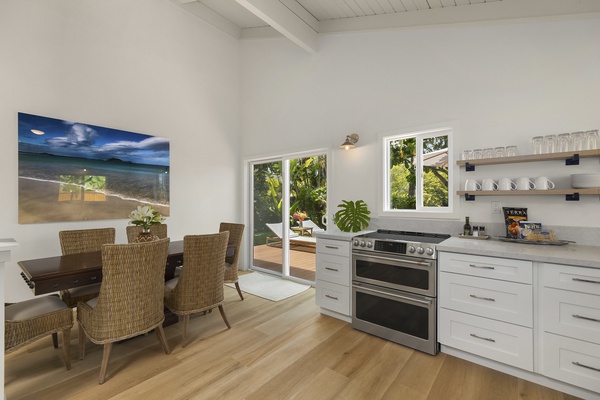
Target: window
(417, 173)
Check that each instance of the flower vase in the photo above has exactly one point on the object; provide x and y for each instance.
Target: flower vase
(145, 236)
(300, 223)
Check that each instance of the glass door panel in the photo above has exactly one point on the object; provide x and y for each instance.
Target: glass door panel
(267, 217)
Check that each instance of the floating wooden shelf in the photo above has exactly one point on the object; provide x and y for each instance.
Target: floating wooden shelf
(571, 158)
(570, 194)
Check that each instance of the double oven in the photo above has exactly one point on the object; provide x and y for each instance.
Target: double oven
(394, 287)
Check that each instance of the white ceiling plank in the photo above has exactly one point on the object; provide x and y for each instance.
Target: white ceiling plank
(422, 4)
(356, 8)
(448, 3)
(302, 13)
(435, 3)
(213, 18)
(476, 13)
(409, 5)
(398, 6)
(462, 2)
(344, 9)
(314, 8)
(477, 1)
(285, 21)
(375, 6)
(365, 7)
(386, 6)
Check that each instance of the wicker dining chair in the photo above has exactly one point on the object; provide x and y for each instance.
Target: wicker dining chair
(83, 241)
(200, 286)
(236, 231)
(133, 231)
(30, 320)
(131, 297)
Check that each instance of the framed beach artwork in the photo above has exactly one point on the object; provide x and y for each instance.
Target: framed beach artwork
(72, 171)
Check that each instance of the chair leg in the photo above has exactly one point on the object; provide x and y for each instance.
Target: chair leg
(162, 338)
(81, 343)
(224, 317)
(186, 322)
(104, 366)
(67, 347)
(55, 340)
(237, 286)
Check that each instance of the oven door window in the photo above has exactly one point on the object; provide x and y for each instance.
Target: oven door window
(415, 275)
(411, 319)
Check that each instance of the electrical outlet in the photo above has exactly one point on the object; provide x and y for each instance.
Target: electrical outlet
(496, 207)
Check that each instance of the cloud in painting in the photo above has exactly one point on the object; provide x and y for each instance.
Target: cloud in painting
(78, 136)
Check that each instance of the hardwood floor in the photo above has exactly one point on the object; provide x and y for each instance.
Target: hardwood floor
(274, 350)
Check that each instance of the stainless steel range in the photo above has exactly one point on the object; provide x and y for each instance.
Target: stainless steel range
(394, 286)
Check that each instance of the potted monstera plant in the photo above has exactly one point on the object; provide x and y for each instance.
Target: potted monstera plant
(353, 216)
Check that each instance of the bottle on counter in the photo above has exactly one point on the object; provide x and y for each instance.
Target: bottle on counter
(482, 231)
(467, 227)
(475, 231)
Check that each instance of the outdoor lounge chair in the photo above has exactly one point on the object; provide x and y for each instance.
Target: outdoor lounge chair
(295, 239)
(307, 223)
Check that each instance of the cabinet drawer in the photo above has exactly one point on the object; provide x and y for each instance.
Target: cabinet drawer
(334, 269)
(572, 314)
(333, 247)
(572, 361)
(488, 267)
(506, 343)
(333, 297)
(504, 301)
(579, 279)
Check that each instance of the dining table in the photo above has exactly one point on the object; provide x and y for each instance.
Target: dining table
(52, 274)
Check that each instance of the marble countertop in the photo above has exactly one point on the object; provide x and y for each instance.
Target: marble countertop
(339, 235)
(570, 254)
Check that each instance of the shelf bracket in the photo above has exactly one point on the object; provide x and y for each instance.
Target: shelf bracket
(572, 197)
(469, 197)
(469, 167)
(572, 160)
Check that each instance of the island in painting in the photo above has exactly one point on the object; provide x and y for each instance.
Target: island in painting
(71, 171)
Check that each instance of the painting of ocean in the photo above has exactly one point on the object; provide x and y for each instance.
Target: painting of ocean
(70, 171)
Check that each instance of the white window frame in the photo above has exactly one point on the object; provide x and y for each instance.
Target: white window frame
(423, 132)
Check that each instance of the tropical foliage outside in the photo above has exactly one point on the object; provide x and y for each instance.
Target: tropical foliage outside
(403, 174)
(308, 192)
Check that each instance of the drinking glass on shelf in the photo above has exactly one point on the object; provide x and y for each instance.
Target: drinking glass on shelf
(488, 152)
(577, 141)
(563, 142)
(538, 144)
(511, 151)
(592, 139)
(477, 154)
(467, 154)
(549, 143)
(499, 152)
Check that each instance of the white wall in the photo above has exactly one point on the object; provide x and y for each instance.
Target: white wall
(504, 83)
(143, 66)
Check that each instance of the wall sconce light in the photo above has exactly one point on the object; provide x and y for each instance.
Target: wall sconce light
(350, 142)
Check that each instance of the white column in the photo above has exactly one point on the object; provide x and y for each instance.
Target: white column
(6, 245)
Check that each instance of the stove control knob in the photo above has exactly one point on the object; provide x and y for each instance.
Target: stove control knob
(356, 242)
(420, 250)
(369, 245)
(362, 243)
(429, 251)
(411, 249)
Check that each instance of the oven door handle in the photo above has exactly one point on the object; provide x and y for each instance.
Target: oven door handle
(403, 261)
(397, 296)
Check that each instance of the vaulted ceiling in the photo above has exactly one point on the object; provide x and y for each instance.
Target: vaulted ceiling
(303, 20)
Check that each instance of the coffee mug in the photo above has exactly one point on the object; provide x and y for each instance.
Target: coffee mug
(543, 183)
(489, 184)
(506, 184)
(524, 183)
(472, 184)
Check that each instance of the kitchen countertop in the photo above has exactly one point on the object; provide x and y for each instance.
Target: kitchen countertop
(570, 254)
(339, 235)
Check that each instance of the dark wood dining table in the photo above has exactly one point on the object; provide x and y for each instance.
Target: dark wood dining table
(52, 274)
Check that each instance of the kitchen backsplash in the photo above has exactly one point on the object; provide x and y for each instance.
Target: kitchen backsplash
(580, 235)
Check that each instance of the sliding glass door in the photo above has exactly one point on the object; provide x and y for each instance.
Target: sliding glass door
(288, 200)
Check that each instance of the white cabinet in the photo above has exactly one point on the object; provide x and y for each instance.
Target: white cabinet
(486, 307)
(333, 290)
(571, 325)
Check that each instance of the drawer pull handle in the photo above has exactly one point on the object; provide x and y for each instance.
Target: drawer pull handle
(585, 280)
(481, 266)
(331, 247)
(331, 297)
(585, 366)
(482, 298)
(483, 338)
(586, 318)
(332, 269)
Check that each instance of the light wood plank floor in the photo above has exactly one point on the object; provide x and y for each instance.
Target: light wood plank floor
(274, 350)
